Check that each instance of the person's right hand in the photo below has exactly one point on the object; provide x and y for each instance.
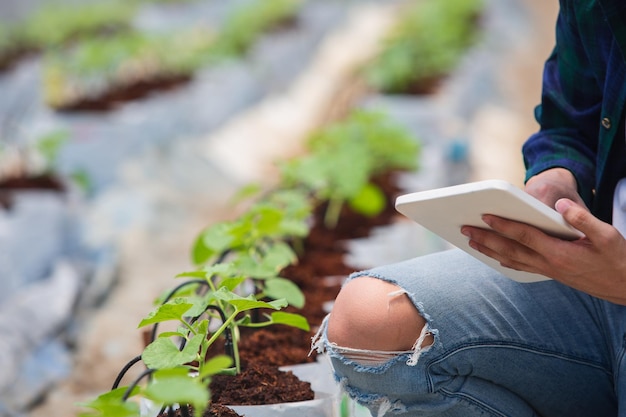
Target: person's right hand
(551, 185)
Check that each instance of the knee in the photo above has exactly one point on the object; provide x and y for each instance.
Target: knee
(366, 316)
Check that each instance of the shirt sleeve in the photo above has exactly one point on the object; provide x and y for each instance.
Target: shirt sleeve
(569, 112)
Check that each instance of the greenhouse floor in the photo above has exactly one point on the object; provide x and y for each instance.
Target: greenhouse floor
(157, 237)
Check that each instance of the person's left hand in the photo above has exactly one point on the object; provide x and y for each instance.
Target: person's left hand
(594, 264)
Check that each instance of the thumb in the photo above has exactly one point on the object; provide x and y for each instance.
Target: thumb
(580, 218)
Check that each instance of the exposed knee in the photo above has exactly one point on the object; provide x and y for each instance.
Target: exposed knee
(369, 313)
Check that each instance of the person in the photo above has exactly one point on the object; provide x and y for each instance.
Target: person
(445, 335)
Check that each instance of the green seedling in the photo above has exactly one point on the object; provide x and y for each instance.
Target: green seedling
(178, 361)
(345, 157)
(281, 216)
(426, 44)
(32, 159)
(55, 24)
(95, 66)
(246, 23)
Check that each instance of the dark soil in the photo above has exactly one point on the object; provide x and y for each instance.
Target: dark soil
(217, 410)
(119, 95)
(10, 58)
(419, 87)
(425, 86)
(259, 384)
(9, 186)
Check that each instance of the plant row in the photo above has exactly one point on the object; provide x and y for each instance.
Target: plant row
(237, 281)
(425, 45)
(94, 58)
(92, 53)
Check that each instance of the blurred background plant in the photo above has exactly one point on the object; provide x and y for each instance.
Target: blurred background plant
(425, 45)
(18, 160)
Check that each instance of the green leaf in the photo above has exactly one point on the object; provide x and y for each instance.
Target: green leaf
(192, 274)
(275, 257)
(278, 256)
(200, 303)
(163, 353)
(50, 145)
(111, 404)
(266, 220)
(370, 201)
(172, 334)
(250, 304)
(247, 303)
(247, 192)
(213, 241)
(290, 319)
(176, 386)
(284, 288)
(172, 310)
(226, 269)
(231, 283)
(249, 265)
(215, 365)
(200, 253)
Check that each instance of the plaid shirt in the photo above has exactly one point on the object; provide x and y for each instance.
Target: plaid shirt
(581, 114)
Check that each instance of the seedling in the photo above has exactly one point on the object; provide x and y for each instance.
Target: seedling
(425, 45)
(260, 235)
(179, 362)
(54, 25)
(246, 23)
(27, 160)
(96, 66)
(345, 157)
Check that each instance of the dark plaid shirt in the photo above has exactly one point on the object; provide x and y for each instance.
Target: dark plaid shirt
(582, 107)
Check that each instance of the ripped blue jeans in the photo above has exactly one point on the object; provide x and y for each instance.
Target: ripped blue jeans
(501, 348)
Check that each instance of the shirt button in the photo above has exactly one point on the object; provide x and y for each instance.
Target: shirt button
(606, 123)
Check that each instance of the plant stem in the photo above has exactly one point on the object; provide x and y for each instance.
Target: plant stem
(221, 330)
(333, 211)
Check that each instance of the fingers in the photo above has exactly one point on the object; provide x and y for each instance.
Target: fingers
(580, 218)
(575, 215)
(504, 248)
(518, 232)
(510, 258)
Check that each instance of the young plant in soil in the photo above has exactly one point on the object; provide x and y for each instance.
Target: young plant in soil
(239, 285)
(425, 45)
(345, 157)
(100, 72)
(212, 308)
(250, 20)
(33, 165)
(30, 160)
(53, 26)
(10, 51)
(179, 361)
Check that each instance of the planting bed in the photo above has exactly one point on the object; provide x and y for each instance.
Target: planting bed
(319, 273)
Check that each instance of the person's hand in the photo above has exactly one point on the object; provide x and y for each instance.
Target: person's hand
(594, 264)
(552, 185)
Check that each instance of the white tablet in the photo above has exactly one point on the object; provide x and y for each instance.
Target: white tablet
(443, 211)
